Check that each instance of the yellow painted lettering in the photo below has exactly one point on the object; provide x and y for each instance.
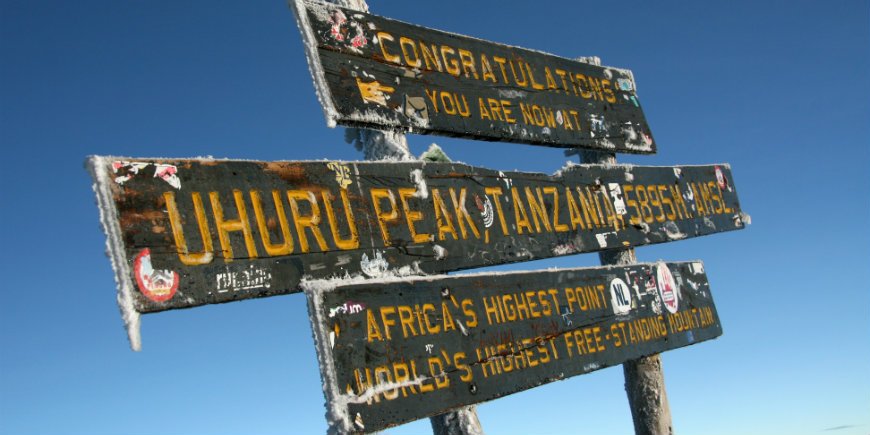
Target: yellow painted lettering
(225, 227)
(352, 241)
(442, 217)
(412, 216)
(520, 216)
(409, 51)
(467, 60)
(538, 210)
(272, 249)
(462, 216)
(184, 254)
(311, 222)
(391, 216)
(496, 192)
(383, 37)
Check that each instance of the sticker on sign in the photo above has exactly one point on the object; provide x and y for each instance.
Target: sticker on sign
(375, 72)
(398, 349)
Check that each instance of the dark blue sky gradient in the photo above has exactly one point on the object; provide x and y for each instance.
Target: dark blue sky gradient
(778, 89)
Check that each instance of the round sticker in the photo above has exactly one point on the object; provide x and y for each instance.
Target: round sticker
(620, 297)
(720, 178)
(156, 285)
(667, 288)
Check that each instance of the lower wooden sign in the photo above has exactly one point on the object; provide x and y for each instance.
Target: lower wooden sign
(399, 349)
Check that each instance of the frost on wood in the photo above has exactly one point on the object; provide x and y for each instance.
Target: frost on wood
(356, 349)
(357, 5)
(115, 247)
(647, 397)
(435, 154)
(420, 182)
(337, 416)
(318, 76)
(379, 144)
(463, 421)
(498, 227)
(372, 89)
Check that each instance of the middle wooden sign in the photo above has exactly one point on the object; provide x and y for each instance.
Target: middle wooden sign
(195, 232)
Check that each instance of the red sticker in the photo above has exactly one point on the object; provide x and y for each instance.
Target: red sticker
(667, 288)
(157, 285)
(720, 179)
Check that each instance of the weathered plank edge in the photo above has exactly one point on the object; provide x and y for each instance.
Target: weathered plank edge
(339, 421)
(115, 247)
(318, 76)
(106, 160)
(337, 417)
(334, 118)
(474, 38)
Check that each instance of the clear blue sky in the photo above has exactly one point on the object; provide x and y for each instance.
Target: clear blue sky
(779, 89)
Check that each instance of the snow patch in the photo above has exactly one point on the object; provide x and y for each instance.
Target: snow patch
(563, 249)
(673, 231)
(370, 393)
(381, 145)
(630, 134)
(435, 154)
(709, 223)
(511, 93)
(418, 179)
(374, 267)
(569, 166)
(461, 327)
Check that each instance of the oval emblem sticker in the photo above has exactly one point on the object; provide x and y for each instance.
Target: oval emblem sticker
(667, 288)
(620, 297)
(156, 285)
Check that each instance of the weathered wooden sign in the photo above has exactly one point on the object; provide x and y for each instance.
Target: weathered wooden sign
(191, 232)
(397, 350)
(376, 72)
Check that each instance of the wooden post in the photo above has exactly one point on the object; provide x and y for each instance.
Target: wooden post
(644, 378)
(385, 145)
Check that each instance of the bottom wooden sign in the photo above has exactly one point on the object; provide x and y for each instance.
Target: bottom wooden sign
(399, 349)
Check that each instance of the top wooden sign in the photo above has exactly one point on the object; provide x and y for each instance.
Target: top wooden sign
(374, 72)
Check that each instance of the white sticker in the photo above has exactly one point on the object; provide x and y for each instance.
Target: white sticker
(127, 170)
(616, 196)
(698, 267)
(667, 288)
(720, 179)
(375, 267)
(620, 297)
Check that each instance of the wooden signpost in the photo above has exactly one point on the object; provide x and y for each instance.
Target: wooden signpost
(194, 232)
(375, 72)
(400, 349)
(395, 347)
